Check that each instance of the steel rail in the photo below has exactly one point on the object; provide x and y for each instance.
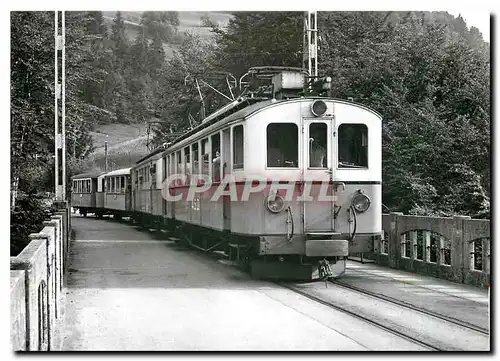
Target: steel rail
(395, 301)
(360, 317)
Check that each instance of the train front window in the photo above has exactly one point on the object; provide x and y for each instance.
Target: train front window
(353, 146)
(282, 145)
(318, 156)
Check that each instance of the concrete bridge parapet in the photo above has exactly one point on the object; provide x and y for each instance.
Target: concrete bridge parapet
(452, 248)
(37, 284)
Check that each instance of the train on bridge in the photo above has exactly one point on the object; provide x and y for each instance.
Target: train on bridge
(284, 180)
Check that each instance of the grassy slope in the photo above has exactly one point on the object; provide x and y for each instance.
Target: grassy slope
(126, 144)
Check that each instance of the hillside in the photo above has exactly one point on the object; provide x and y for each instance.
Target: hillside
(128, 142)
(189, 21)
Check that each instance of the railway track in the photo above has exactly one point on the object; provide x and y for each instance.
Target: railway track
(361, 317)
(395, 301)
(432, 344)
(421, 340)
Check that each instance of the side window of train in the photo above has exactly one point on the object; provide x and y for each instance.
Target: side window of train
(238, 147)
(196, 157)
(353, 146)
(205, 151)
(283, 145)
(187, 162)
(216, 158)
(180, 170)
(165, 169)
(171, 160)
(318, 155)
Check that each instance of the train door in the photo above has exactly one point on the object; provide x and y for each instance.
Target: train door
(166, 165)
(319, 206)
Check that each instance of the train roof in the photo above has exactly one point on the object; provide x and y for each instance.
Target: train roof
(123, 171)
(87, 175)
(248, 110)
(153, 153)
(244, 108)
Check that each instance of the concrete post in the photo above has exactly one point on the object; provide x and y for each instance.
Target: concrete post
(49, 281)
(460, 254)
(60, 249)
(394, 240)
(54, 260)
(427, 247)
(486, 256)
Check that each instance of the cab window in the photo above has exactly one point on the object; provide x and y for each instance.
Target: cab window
(282, 145)
(353, 146)
(318, 157)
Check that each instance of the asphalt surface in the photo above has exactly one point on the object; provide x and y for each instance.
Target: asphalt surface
(129, 291)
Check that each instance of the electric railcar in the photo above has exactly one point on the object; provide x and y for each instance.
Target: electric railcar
(318, 196)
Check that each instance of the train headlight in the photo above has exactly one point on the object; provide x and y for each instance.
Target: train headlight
(318, 108)
(275, 203)
(361, 202)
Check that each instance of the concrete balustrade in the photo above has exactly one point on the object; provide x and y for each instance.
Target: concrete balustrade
(446, 249)
(37, 282)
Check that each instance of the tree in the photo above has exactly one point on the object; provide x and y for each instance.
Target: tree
(32, 112)
(178, 103)
(260, 38)
(160, 24)
(120, 42)
(426, 73)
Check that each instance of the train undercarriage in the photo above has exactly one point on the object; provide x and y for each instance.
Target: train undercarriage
(246, 252)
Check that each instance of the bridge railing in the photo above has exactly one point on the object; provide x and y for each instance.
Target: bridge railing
(37, 279)
(456, 249)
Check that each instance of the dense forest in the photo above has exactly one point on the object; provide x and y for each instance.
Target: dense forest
(427, 73)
